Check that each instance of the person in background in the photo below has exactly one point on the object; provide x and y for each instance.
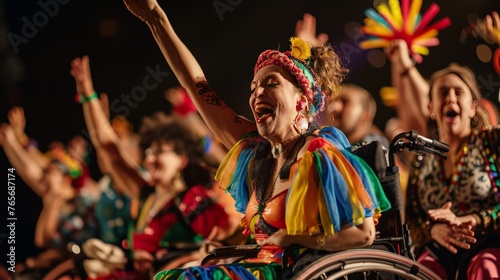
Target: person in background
(67, 192)
(171, 208)
(353, 110)
(452, 204)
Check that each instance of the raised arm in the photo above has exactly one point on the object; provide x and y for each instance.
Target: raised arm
(17, 120)
(121, 167)
(413, 90)
(219, 117)
(26, 166)
(47, 225)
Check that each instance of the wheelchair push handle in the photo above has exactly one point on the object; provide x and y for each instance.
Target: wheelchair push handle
(419, 144)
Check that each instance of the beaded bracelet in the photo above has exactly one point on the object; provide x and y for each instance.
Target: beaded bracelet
(84, 99)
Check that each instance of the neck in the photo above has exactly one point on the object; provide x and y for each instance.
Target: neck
(456, 145)
(177, 185)
(279, 148)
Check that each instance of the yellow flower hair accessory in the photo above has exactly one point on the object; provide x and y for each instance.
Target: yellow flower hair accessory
(300, 48)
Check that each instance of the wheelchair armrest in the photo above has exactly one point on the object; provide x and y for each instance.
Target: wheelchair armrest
(226, 252)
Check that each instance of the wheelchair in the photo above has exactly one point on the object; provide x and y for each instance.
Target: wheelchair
(390, 255)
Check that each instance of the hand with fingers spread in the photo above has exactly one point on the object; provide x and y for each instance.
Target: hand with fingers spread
(306, 29)
(492, 27)
(444, 214)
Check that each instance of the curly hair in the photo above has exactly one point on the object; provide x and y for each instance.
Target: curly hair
(172, 130)
(329, 69)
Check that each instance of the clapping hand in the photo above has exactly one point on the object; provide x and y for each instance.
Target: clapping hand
(453, 236)
(450, 232)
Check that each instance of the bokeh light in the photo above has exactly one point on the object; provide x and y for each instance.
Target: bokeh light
(484, 53)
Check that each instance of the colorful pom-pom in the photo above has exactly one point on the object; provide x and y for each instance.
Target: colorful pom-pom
(402, 20)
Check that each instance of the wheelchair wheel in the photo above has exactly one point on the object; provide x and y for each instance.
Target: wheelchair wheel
(365, 264)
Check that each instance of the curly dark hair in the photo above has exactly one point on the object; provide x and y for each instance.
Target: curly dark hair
(173, 131)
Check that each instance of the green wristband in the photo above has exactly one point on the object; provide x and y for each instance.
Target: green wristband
(84, 99)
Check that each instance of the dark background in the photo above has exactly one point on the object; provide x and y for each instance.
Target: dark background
(35, 73)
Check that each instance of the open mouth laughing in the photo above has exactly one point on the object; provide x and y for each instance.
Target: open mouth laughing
(450, 114)
(263, 111)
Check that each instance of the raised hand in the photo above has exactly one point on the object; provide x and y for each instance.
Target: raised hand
(17, 120)
(306, 30)
(444, 214)
(6, 133)
(398, 54)
(142, 9)
(80, 70)
(493, 27)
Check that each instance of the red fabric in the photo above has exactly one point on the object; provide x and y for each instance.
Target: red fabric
(149, 239)
(80, 181)
(186, 106)
(211, 215)
(485, 265)
(317, 143)
(496, 60)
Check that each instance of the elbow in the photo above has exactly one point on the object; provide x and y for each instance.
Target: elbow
(369, 238)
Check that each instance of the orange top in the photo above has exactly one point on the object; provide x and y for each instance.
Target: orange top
(273, 212)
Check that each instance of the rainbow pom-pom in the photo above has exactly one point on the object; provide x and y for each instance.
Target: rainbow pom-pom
(394, 21)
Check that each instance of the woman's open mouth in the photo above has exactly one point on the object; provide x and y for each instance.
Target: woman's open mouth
(450, 115)
(263, 111)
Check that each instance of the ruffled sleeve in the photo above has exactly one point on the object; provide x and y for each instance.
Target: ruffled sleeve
(234, 172)
(333, 184)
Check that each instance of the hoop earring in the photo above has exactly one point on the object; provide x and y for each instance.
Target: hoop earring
(300, 123)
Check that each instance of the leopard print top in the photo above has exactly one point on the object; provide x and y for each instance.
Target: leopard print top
(474, 186)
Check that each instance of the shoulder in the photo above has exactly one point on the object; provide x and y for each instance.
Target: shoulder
(327, 136)
(488, 131)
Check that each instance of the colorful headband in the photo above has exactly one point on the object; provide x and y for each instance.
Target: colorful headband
(297, 62)
(65, 162)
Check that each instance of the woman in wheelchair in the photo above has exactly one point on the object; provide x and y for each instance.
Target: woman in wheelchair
(453, 205)
(295, 182)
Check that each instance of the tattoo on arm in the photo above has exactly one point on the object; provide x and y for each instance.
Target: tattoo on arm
(209, 96)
